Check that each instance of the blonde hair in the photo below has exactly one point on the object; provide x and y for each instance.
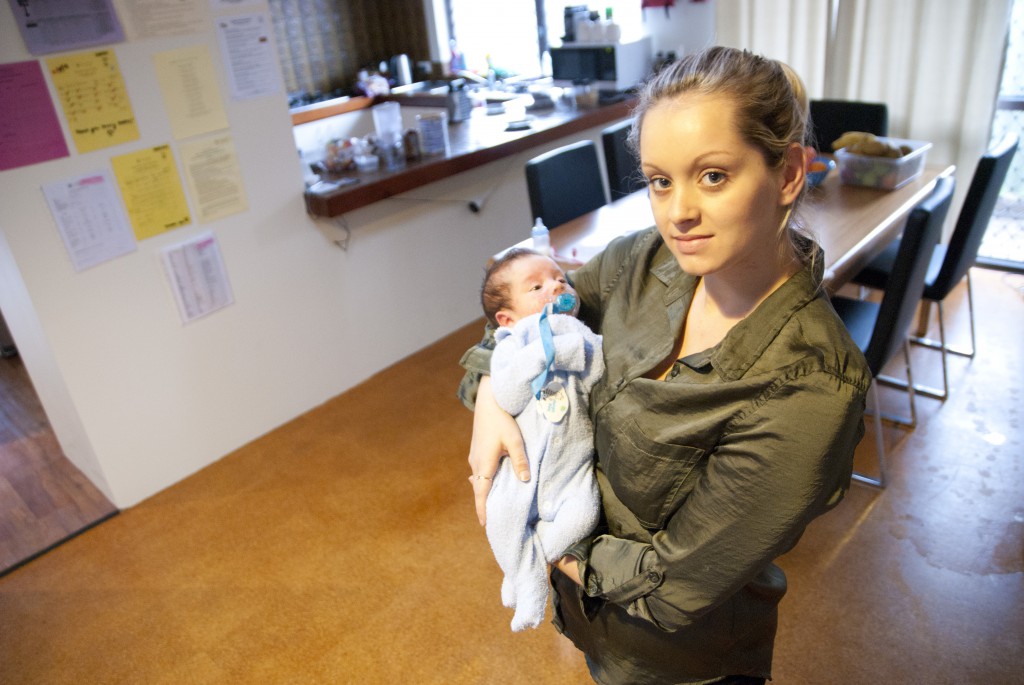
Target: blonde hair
(771, 106)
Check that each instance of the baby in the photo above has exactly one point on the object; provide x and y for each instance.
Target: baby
(544, 364)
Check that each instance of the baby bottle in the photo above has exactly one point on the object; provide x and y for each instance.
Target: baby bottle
(541, 237)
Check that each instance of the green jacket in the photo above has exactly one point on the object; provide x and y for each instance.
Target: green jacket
(705, 477)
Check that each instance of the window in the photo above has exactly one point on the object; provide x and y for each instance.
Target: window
(507, 34)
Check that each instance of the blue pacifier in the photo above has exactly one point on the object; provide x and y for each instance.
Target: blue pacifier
(565, 303)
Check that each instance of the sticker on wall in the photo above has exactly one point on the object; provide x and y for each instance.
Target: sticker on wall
(90, 218)
(94, 99)
(214, 177)
(198, 278)
(152, 192)
(29, 129)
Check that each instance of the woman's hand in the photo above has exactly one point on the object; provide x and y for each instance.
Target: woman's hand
(495, 434)
(570, 567)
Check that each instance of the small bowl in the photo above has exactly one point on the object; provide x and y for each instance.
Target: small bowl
(815, 178)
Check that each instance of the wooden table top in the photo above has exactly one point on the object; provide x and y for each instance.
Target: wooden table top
(852, 223)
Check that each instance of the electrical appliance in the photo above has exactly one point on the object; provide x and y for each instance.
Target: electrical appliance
(613, 67)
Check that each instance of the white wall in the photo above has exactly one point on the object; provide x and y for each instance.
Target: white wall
(688, 27)
(139, 401)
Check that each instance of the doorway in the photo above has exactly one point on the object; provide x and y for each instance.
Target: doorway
(44, 499)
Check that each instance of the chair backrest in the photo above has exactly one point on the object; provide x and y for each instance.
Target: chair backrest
(621, 164)
(906, 282)
(565, 183)
(832, 118)
(974, 217)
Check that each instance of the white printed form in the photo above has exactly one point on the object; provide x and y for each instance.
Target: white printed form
(91, 218)
(249, 55)
(198, 277)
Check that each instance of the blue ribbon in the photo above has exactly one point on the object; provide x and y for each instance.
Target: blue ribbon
(549, 354)
(564, 303)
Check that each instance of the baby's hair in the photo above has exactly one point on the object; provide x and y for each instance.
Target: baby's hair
(495, 294)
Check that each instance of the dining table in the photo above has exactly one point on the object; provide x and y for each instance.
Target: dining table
(853, 224)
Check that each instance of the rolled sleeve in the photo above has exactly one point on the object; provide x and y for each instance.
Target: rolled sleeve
(477, 362)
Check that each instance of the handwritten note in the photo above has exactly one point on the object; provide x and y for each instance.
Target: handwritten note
(90, 218)
(152, 192)
(196, 270)
(94, 99)
(214, 177)
(29, 128)
(191, 94)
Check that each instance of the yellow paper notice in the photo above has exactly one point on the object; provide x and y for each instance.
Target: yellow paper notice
(189, 84)
(152, 192)
(214, 177)
(94, 99)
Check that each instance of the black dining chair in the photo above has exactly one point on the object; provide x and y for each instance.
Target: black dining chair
(565, 183)
(620, 162)
(952, 262)
(832, 118)
(880, 329)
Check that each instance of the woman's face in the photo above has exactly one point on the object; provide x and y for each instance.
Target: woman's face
(717, 205)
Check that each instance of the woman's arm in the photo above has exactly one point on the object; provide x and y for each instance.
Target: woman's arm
(495, 434)
(782, 466)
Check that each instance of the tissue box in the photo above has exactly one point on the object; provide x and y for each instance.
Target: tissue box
(887, 173)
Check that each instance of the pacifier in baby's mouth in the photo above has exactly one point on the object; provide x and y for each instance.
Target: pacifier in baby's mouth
(565, 303)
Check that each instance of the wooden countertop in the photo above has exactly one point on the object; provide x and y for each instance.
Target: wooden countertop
(480, 140)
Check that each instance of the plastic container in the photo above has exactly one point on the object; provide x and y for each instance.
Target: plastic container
(434, 133)
(541, 237)
(387, 120)
(887, 173)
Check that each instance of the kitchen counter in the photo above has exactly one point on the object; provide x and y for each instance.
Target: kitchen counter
(480, 140)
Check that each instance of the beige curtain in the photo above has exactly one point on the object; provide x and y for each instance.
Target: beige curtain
(935, 63)
(794, 31)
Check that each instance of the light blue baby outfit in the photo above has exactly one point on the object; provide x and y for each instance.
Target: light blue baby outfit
(532, 524)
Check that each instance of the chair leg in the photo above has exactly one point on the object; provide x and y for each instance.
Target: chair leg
(879, 482)
(907, 385)
(928, 391)
(940, 344)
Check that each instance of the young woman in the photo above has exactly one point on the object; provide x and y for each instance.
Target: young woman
(733, 396)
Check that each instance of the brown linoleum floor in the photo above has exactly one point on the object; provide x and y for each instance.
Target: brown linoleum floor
(342, 548)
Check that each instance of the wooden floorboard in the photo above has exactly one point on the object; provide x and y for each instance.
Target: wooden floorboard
(44, 498)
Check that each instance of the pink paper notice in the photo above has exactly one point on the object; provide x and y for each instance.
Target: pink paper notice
(29, 129)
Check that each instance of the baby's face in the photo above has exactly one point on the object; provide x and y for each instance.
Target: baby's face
(534, 281)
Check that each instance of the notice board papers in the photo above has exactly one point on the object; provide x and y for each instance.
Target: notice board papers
(152, 192)
(198, 278)
(94, 98)
(29, 129)
(90, 218)
(60, 25)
